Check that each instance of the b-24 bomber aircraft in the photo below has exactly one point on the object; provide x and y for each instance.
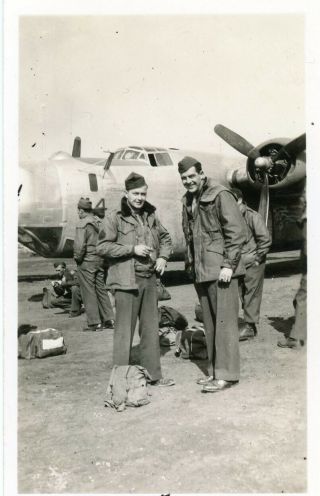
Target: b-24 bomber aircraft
(271, 177)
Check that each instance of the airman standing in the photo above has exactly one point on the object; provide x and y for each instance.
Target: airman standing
(215, 232)
(254, 251)
(91, 270)
(136, 247)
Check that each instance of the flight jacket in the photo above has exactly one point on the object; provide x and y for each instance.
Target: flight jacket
(116, 241)
(214, 233)
(84, 248)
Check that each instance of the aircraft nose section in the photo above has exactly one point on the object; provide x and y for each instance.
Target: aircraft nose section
(25, 195)
(40, 208)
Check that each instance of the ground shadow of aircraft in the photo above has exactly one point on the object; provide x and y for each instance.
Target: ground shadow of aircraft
(271, 177)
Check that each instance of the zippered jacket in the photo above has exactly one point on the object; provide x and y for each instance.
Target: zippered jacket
(119, 234)
(214, 230)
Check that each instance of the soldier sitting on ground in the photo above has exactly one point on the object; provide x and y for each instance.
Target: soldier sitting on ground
(65, 291)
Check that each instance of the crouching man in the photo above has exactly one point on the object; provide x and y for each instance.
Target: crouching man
(65, 292)
(136, 247)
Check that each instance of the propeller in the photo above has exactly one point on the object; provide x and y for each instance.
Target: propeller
(264, 199)
(264, 164)
(76, 151)
(236, 141)
(291, 149)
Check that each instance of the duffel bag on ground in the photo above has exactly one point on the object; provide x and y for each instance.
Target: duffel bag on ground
(127, 387)
(41, 344)
(167, 336)
(169, 317)
(191, 343)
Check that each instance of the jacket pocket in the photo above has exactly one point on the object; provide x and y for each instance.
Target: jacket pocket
(127, 234)
(214, 242)
(125, 228)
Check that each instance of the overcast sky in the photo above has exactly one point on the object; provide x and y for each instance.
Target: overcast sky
(158, 80)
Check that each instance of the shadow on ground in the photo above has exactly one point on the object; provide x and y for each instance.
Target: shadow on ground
(36, 297)
(281, 324)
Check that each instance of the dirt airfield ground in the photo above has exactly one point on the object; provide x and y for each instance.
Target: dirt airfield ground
(251, 438)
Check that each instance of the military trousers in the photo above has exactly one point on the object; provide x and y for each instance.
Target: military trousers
(76, 300)
(299, 329)
(94, 293)
(130, 305)
(250, 292)
(220, 307)
(51, 300)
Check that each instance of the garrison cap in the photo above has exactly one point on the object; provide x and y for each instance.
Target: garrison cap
(85, 203)
(186, 163)
(134, 181)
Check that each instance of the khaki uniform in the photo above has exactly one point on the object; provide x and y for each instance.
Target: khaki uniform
(215, 232)
(134, 281)
(91, 273)
(299, 329)
(254, 251)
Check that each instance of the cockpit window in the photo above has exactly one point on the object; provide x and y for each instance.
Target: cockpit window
(163, 158)
(142, 156)
(118, 154)
(130, 155)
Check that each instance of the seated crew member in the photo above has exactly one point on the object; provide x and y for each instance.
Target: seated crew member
(136, 247)
(254, 251)
(65, 291)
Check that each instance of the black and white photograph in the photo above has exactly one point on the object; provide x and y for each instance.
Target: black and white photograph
(160, 252)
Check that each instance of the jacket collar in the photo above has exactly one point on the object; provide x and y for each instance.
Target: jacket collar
(90, 219)
(208, 193)
(127, 212)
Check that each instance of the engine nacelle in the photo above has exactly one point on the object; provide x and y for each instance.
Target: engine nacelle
(281, 173)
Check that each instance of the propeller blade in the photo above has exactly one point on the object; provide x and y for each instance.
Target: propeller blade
(292, 149)
(236, 141)
(264, 199)
(76, 151)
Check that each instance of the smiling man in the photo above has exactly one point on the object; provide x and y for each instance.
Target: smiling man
(215, 232)
(136, 247)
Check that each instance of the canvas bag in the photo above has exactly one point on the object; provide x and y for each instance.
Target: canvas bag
(167, 336)
(169, 317)
(191, 343)
(41, 344)
(127, 387)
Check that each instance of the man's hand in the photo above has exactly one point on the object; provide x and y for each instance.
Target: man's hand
(160, 265)
(225, 274)
(142, 250)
